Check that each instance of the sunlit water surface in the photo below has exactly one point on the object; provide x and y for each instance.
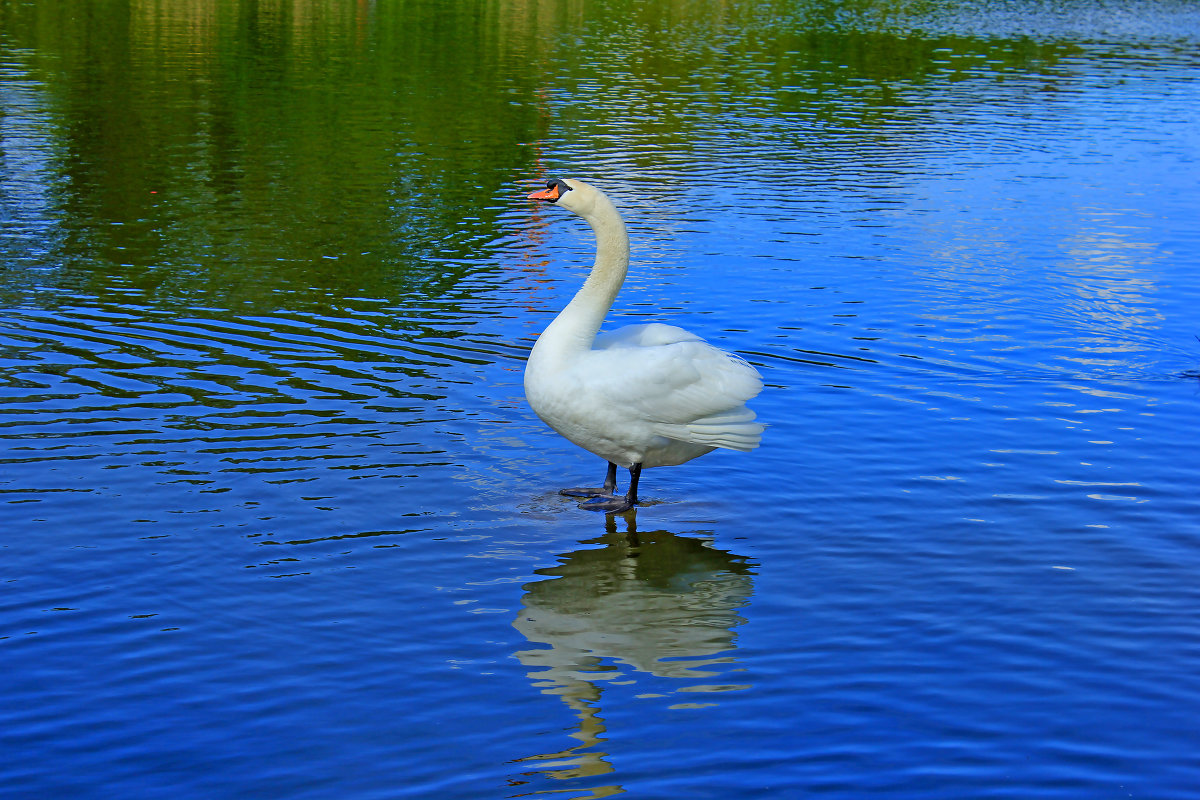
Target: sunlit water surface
(276, 521)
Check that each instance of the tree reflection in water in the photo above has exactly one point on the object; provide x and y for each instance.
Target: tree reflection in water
(657, 603)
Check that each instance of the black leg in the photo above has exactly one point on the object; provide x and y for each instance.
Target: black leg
(617, 505)
(635, 474)
(609, 489)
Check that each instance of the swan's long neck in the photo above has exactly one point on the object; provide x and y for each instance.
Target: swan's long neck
(574, 329)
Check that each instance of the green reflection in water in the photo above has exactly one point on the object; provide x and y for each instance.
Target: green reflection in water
(238, 152)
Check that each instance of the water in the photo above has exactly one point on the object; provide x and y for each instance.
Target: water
(277, 522)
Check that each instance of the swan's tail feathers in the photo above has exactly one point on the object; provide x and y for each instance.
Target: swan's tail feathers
(732, 430)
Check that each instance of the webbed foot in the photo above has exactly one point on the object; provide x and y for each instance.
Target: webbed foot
(606, 498)
(609, 489)
(609, 505)
(580, 491)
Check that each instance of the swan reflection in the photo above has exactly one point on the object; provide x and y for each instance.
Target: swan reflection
(652, 603)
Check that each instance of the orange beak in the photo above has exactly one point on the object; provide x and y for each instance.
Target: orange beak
(549, 193)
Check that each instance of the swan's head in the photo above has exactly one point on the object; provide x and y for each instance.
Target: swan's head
(573, 195)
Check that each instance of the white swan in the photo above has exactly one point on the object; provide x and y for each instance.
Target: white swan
(640, 396)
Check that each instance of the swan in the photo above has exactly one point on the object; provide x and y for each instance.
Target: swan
(640, 396)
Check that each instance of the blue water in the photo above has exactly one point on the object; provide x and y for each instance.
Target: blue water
(275, 520)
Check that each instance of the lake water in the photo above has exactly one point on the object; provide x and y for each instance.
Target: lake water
(275, 520)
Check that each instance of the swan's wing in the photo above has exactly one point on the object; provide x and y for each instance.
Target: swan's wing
(649, 335)
(684, 387)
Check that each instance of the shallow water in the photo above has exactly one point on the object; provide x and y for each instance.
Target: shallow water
(277, 522)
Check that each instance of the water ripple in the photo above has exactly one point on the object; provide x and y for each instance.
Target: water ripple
(198, 396)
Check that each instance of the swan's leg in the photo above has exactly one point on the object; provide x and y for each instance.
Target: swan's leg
(616, 505)
(609, 489)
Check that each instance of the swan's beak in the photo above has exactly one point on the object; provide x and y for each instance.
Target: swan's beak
(549, 193)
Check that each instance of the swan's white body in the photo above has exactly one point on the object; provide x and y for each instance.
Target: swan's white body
(643, 395)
